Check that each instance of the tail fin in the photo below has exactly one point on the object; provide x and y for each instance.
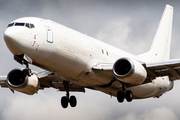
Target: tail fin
(160, 48)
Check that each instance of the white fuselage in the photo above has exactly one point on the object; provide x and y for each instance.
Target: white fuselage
(71, 55)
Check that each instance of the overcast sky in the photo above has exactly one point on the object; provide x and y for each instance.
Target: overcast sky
(127, 24)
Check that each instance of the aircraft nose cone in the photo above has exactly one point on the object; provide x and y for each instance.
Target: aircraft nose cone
(12, 39)
(11, 35)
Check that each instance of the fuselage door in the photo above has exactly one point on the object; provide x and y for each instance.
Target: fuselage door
(49, 31)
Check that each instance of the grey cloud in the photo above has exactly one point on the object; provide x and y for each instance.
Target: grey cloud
(161, 113)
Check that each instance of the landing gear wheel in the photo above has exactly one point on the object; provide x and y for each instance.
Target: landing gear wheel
(129, 96)
(120, 96)
(73, 101)
(64, 101)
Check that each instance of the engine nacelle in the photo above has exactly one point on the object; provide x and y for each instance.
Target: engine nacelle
(18, 81)
(129, 71)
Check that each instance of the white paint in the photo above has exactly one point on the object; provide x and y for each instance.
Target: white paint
(72, 54)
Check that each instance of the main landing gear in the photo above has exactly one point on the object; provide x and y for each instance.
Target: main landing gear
(124, 94)
(66, 99)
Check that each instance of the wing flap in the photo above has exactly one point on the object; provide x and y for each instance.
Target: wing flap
(169, 68)
(72, 87)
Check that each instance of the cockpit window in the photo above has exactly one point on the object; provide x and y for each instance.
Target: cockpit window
(28, 25)
(32, 25)
(19, 24)
(10, 24)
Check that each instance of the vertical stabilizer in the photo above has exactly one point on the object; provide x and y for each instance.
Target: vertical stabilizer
(160, 48)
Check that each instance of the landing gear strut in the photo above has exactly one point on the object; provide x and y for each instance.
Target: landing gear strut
(66, 99)
(27, 70)
(124, 94)
(24, 60)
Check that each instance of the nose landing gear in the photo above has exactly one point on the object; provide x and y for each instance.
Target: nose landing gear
(24, 60)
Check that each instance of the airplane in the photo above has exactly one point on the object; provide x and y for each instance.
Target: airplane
(73, 61)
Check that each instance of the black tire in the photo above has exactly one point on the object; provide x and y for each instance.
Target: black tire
(120, 96)
(73, 101)
(129, 96)
(64, 101)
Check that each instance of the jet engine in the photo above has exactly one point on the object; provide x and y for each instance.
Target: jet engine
(19, 81)
(129, 71)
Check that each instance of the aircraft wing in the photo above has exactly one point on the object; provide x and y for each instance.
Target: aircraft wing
(3, 81)
(48, 79)
(169, 68)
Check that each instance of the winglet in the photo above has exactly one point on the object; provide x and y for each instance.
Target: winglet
(160, 48)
